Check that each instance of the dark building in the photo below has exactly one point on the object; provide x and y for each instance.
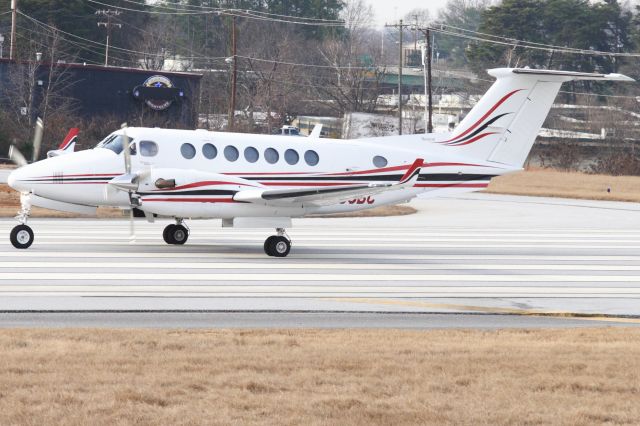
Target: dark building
(139, 97)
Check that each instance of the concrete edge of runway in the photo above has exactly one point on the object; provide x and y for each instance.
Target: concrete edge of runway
(302, 311)
(278, 319)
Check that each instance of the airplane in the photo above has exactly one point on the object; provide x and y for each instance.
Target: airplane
(262, 181)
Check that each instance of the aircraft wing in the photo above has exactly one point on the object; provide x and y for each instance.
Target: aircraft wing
(323, 196)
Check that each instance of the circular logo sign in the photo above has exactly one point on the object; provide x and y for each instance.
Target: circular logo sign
(160, 82)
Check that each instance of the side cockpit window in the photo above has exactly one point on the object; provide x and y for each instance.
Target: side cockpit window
(148, 148)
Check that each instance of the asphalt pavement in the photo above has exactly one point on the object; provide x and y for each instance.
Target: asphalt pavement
(498, 256)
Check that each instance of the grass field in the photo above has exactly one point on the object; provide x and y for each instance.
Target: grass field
(320, 377)
(554, 183)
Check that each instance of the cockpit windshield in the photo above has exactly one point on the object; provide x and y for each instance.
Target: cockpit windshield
(115, 143)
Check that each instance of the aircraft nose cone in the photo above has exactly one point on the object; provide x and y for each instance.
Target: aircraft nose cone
(15, 180)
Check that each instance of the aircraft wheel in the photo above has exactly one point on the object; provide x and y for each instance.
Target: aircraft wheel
(279, 246)
(268, 243)
(21, 237)
(179, 234)
(167, 234)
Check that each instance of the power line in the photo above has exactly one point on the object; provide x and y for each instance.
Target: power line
(533, 45)
(226, 12)
(187, 6)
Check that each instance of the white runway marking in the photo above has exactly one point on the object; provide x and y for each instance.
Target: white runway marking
(214, 266)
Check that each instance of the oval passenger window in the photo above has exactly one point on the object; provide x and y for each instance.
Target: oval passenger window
(271, 155)
(188, 151)
(291, 156)
(251, 154)
(380, 161)
(209, 151)
(231, 153)
(311, 157)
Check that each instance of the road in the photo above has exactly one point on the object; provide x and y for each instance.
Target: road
(480, 254)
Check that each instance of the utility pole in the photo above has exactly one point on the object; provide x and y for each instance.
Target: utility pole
(14, 15)
(428, 55)
(426, 62)
(400, 60)
(234, 74)
(109, 14)
(415, 34)
(400, 83)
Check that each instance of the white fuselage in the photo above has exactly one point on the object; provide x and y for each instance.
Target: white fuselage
(82, 177)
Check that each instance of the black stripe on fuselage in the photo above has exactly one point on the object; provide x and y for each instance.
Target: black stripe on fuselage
(378, 178)
(198, 192)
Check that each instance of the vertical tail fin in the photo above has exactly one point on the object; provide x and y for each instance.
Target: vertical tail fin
(68, 143)
(503, 125)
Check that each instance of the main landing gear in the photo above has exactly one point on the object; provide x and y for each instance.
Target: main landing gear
(278, 245)
(22, 236)
(176, 234)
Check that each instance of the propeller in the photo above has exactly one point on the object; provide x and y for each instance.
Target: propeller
(127, 171)
(16, 156)
(37, 139)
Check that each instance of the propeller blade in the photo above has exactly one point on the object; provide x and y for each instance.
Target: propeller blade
(16, 156)
(127, 152)
(127, 170)
(37, 139)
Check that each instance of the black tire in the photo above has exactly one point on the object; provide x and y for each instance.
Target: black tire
(21, 237)
(280, 246)
(179, 234)
(268, 243)
(167, 234)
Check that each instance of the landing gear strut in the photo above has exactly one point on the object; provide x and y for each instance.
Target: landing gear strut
(22, 236)
(176, 234)
(278, 245)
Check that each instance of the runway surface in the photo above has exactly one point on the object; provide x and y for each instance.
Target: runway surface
(471, 254)
(4, 174)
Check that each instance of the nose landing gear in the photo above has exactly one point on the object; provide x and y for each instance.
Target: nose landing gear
(278, 245)
(22, 235)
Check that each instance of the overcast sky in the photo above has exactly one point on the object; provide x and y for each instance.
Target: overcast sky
(391, 10)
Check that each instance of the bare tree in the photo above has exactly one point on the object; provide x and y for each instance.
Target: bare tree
(350, 81)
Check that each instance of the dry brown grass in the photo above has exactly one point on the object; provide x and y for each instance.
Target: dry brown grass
(554, 183)
(353, 377)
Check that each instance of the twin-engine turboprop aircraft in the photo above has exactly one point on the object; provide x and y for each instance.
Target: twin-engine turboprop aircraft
(262, 181)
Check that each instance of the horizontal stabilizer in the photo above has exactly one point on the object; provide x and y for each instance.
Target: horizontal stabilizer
(573, 75)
